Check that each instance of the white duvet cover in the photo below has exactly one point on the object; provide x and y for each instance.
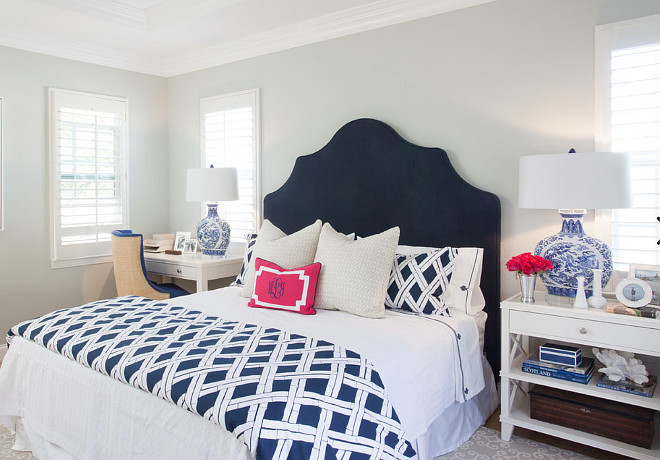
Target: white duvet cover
(427, 366)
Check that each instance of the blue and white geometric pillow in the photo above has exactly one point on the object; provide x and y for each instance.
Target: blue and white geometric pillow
(417, 281)
(250, 239)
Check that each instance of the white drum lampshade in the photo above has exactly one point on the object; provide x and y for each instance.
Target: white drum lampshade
(573, 183)
(212, 185)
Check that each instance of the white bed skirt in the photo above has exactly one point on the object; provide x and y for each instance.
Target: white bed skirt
(75, 413)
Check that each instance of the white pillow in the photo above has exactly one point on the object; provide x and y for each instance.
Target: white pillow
(287, 251)
(464, 291)
(355, 274)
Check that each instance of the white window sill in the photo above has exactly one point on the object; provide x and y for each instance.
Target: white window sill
(64, 263)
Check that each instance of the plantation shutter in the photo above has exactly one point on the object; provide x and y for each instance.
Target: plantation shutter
(229, 139)
(632, 124)
(88, 174)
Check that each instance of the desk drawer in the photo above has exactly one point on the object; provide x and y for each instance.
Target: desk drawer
(599, 333)
(175, 270)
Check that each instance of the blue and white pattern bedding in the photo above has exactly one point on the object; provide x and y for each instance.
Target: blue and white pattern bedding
(284, 395)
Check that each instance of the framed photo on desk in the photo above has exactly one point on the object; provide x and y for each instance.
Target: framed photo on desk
(180, 240)
(190, 246)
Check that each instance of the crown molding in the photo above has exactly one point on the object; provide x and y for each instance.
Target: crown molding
(380, 13)
(363, 18)
(79, 51)
(170, 11)
(106, 9)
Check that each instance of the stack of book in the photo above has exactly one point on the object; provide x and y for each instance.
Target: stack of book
(159, 242)
(579, 374)
(628, 386)
(645, 312)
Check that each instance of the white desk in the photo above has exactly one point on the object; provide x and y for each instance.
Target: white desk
(197, 267)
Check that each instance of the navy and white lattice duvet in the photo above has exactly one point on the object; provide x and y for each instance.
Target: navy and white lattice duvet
(284, 395)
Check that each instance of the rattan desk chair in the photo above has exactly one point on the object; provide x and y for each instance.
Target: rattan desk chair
(130, 271)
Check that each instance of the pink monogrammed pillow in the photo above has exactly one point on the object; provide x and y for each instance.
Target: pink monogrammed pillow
(282, 289)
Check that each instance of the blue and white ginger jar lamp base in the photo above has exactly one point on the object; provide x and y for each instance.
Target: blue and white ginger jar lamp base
(213, 232)
(573, 253)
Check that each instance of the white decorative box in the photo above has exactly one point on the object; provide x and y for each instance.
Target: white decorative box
(560, 354)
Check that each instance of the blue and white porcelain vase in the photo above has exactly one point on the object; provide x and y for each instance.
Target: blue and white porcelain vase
(213, 232)
(573, 253)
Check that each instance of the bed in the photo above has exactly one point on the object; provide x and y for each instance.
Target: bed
(433, 368)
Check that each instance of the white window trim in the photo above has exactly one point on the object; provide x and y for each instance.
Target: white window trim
(56, 260)
(257, 150)
(604, 38)
(2, 195)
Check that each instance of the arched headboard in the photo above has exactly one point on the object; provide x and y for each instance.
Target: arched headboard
(368, 179)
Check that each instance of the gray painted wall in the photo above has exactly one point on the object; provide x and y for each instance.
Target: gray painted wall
(488, 84)
(28, 285)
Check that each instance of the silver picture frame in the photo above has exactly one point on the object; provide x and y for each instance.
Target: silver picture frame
(649, 274)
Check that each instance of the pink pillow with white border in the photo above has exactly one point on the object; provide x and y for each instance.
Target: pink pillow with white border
(281, 289)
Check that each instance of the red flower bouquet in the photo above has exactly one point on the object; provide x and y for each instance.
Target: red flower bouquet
(527, 264)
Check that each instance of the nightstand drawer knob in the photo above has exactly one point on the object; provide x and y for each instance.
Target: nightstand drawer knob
(178, 270)
(583, 330)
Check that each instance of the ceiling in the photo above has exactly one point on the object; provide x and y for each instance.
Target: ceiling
(171, 37)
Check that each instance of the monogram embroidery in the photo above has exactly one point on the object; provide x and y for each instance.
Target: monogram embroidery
(276, 288)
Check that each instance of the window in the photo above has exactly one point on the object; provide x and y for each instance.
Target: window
(628, 120)
(88, 172)
(2, 209)
(230, 138)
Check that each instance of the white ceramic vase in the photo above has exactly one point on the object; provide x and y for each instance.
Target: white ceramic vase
(597, 300)
(580, 296)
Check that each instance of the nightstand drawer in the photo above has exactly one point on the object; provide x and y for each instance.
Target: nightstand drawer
(581, 330)
(175, 270)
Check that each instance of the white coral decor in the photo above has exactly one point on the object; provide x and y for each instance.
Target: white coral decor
(621, 365)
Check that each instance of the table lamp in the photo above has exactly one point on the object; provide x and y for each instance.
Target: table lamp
(212, 185)
(573, 183)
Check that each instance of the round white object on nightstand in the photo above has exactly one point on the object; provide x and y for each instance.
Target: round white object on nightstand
(634, 293)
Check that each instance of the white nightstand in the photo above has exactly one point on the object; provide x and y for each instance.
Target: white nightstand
(588, 328)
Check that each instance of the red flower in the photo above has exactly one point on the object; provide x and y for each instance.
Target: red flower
(528, 264)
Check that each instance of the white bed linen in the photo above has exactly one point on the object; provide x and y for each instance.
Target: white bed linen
(41, 387)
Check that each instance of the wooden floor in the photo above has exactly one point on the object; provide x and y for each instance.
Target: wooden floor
(494, 423)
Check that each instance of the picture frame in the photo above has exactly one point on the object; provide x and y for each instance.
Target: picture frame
(651, 275)
(633, 293)
(190, 246)
(180, 240)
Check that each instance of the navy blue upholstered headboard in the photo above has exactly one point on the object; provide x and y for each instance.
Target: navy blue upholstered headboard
(368, 179)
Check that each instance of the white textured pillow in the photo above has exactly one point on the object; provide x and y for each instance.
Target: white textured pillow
(355, 274)
(287, 251)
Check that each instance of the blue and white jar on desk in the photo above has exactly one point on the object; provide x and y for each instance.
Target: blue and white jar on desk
(213, 232)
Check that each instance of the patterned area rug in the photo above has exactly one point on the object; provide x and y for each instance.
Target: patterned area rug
(484, 445)
(6, 441)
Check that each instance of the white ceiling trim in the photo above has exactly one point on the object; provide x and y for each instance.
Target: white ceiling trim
(370, 16)
(106, 9)
(358, 19)
(170, 11)
(78, 51)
